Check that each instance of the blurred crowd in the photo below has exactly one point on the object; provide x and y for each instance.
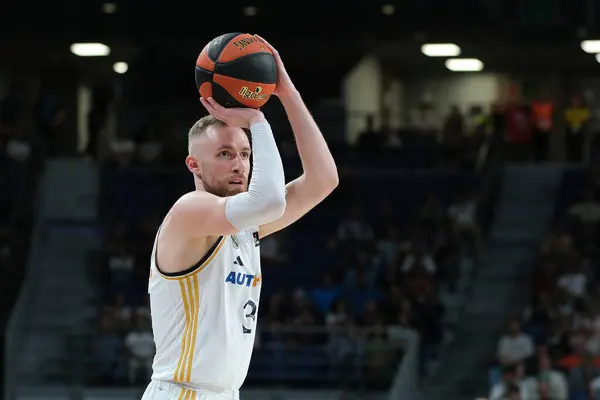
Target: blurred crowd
(553, 351)
(458, 139)
(343, 317)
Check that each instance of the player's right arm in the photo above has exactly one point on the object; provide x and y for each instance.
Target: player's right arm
(204, 214)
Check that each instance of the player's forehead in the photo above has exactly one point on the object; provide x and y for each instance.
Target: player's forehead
(227, 137)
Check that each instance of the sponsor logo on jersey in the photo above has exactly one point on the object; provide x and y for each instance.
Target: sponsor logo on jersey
(242, 279)
(256, 239)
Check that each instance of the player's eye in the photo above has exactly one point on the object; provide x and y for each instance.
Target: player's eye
(225, 153)
(245, 155)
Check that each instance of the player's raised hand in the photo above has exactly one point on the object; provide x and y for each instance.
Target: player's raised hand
(234, 117)
(284, 83)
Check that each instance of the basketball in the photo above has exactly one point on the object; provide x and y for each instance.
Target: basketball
(237, 70)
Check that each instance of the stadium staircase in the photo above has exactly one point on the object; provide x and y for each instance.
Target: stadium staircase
(501, 288)
(49, 315)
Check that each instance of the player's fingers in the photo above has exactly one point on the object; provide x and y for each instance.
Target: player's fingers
(267, 44)
(213, 102)
(207, 105)
(216, 106)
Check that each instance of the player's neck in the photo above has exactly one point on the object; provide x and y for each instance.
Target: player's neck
(199, 185)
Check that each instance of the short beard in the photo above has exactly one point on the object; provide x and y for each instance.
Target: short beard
(218, 191)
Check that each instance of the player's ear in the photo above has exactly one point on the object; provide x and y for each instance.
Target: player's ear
(192, 164)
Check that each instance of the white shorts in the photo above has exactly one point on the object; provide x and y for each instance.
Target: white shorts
(161, 390)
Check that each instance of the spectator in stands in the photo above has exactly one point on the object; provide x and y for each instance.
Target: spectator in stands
(573, 280)
(388, 245)
(378, 358)
(142, 311)
(344, 346)
(107, 349)
(355, 228)
(120, 312)
(272, 251)
(424, 121)
(402, 323)
(559, 341)
(552, 383)
(542, 114)
(582, 376)
(497, 121)
(325, 295)
(150, 148)
(275, 312)
(453, 129)
(595, 388)
(519, 130)
(576, 117)
(418, 256)
(463, 214)
(370, 141)
(428, 313)
(391, 137)
(121, 263)
(556, 243)
(140, 349)
(19, 147)
(514, 393)
(358, 289)
(515, 346)
(512, 385)
(337, 314)
(586, 211)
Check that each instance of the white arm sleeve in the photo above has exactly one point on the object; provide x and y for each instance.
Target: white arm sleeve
(265, 199)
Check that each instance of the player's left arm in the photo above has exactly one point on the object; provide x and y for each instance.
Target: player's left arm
(319, 176)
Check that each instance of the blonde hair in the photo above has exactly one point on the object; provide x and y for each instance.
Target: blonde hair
(201, 126)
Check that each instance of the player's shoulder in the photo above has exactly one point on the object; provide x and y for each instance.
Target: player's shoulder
(194, 195)
(194, 201)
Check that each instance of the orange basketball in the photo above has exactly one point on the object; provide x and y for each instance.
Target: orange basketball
(237, 70)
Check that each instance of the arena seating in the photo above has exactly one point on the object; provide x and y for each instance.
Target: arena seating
(562, 320)
(134, 196)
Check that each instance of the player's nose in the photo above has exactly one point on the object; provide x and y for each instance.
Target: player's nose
(238, 166)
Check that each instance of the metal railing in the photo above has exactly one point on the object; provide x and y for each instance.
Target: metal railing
(24, 198)
(17, 328)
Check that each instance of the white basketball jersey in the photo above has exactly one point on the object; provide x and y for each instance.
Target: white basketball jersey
(204, 319)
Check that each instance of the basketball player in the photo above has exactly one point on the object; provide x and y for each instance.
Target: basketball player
(205, 275)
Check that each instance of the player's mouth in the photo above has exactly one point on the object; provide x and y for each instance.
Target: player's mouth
(236, 182)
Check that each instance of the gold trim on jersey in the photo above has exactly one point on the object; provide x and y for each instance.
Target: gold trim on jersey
(187, 394)
(209, 258)
(190, 295)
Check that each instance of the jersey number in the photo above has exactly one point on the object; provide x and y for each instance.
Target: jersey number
(249, 309)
